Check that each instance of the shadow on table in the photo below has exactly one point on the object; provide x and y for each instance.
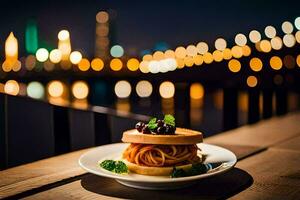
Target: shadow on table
(217, 187)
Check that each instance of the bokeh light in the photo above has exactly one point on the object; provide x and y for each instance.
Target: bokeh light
(289, 61)
(297, 23)
(234, 65)
(6, 66)
(35, 90)
(220, 44)
(198, 60)
(144, 66)
(153, 66)
(289, 40)
(254, 36)
(217, 55)
(11, 87)
(75, 57)
(117, 51)
(55, 88)
(80, 90)
(237, 51)
(276, 43)
(252, 81)
(168, 64)
(208, 58)
(55, 56)
(123, 89)
(265, 46)
(287, 27)
(144, 89)
(188, 61)
(42, 54)
(191, 50)
(227, 54)
(49, 66)
(196, 91)
(180, 63)
(102, 17)
(84, 64)
(30, 62)
(297, 36)
(133, 64)
(63, 35)
(256, 64)
(276, 63)
(180, 52)
(158, 55)
(147, 57)
(240, 39)
(202, 47)
(246, 50)
(97, 64)
(16, 66)
(169, 54)
(116, 64)
(298, 60)
(167, 89)
(270, 31)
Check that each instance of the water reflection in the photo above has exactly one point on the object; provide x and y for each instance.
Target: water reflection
(194, 105)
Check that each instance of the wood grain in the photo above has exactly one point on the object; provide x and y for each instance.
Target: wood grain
(95, 187)
(264, 134)
(292, 144)
(276, 175)
(34, 175)
(275, 171)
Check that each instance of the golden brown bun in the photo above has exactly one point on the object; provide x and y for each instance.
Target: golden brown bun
(182, 137)
(153, 171)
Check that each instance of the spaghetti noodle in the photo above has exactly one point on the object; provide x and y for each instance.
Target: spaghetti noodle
(161, 155)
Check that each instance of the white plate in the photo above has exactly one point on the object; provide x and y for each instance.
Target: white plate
(89, 161)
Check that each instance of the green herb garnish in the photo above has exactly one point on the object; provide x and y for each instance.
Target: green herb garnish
(196, 169)
(118, 167)
(121, 167)
(152, 124)
(170, 120)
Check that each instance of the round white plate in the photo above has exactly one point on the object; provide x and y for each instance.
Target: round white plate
(89, 162)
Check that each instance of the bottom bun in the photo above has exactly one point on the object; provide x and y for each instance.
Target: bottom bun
(153, 171)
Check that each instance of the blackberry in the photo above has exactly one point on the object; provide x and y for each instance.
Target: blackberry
(160, 123)
(146, 130)
(161, 130)
(139, 126)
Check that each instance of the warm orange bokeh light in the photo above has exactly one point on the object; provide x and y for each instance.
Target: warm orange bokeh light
(234, 65)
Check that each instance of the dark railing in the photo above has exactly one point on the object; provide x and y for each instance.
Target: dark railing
(31, 130)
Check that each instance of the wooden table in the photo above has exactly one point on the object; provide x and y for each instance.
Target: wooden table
(268, 168)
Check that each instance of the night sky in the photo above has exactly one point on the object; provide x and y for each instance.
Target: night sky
(141, 24)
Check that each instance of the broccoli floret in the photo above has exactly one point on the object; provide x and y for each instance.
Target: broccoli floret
(109, 165)
(118, 167)
(178, 173)
(121, 167)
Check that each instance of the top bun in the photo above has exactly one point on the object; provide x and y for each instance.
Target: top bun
(182, 136)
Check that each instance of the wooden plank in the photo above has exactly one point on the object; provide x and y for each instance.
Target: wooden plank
(34, 175)
(264, 133)
(95, 187)
(292, 144)
(276, 175)
(242, 151)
